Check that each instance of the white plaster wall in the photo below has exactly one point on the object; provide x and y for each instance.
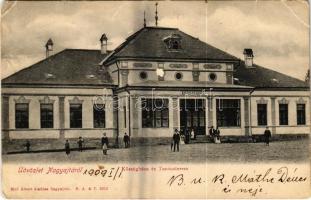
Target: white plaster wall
(88, 133)
(87, 111)
(292, 113)
(34, 134)
(186, 76)
(283, 130)
(254, 120)
(34, 111)
(156, 132)
(292, 130)
(221, 77)
(224, 131)
(133, 76)
(292, 127)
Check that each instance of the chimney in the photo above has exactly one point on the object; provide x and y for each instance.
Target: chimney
(248, 57)
(48, 47)
(103, 43)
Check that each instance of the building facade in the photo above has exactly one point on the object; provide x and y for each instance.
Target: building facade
(158, 80)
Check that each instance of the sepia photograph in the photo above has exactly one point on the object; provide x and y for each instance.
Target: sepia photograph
(155, 82)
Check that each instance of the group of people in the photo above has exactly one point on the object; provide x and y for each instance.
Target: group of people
(188, 135)
(177, 137)
(104, 143)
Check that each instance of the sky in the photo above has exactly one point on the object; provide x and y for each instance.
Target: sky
(277, 31)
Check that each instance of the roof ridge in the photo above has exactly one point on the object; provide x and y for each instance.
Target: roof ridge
(127, 41)
(161, 27)
(71, 49)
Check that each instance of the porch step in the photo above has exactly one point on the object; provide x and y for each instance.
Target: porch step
(202, 139)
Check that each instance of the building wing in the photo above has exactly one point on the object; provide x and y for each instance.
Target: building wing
(261, 77)
(68, 67)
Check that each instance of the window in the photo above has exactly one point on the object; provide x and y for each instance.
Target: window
(283, 114)
(262, 114)
(99, 116)
(212, 77)
(178, 76)
(228, 112)
(143, 75)
(75, 115)
(46, 115)
(173, 42)
(155, 113)
(301, 114)
(21, 115)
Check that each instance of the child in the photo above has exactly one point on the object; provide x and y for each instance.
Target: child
(67, 147)
(105, 143)
(105, 149)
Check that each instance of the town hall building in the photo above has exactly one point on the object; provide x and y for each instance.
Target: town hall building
(158, 80)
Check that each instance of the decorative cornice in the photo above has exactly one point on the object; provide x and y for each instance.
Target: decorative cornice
(46, 100)
(283, 101)
(99, 100)
(22, 99)
(301, 101)
(178, 66)
(212, 66)
(262, 101)
(75, 100)
(144, 65)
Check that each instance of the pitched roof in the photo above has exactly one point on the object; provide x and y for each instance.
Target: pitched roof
(261, 77)
(80, 67)
(148, 42)
(68, 67)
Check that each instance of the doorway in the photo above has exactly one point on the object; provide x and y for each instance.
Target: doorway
(192, 115)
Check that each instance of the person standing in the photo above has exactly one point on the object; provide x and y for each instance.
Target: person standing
(176, 138)
(80, 143)
(217, 135)
(267, 135)
(67, 147)
(27, 145)
(187, 136)
(211, 131)
(126, 140)
(192, 134)
(105, 143)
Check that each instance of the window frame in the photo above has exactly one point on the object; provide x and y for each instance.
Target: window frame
(301, 121)
(285, 117)
(46, 121)
(152, 115)
(221, 116)
(80, 119)
(99, 122)
(259, 122)
(19, 124)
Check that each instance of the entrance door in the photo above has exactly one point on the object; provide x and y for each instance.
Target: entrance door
(192, 115)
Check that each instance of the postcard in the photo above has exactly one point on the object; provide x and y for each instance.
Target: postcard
(155, 99)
